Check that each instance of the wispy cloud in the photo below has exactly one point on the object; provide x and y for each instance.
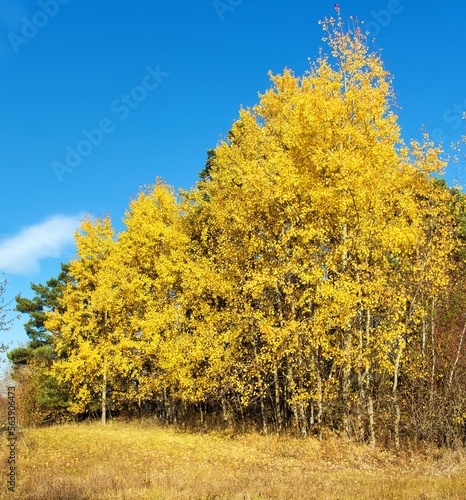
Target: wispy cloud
(21, 253)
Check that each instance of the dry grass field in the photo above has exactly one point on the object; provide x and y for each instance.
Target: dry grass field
(135, 461)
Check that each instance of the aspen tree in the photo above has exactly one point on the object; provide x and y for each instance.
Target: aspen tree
(322, 228)
(296, 283)
(147, 264)
(82, 329)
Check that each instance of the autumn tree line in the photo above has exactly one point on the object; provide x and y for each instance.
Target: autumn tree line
(312, 281)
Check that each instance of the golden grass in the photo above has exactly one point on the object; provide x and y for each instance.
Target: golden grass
(134, 461)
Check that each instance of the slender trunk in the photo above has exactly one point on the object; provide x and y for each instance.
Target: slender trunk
(396, 404)
(174, 411)
(424, 338)
(370, 413)
(320, 409)
(432, 373)
(301, 407)
(346, 383)
(104, 377)
(285, 400)
(347, 341)
(104, 396)
(184, 414)
(368, 387)
(239, 406)
(458, 353)
(302, 416)
(318, 398)
(361, 383)
(265, 429)
(201, 415)
(278, 410)
(225, 412)
(166, 406)
(224, 409)
(261, 389)
(294, 407)
(397, 422)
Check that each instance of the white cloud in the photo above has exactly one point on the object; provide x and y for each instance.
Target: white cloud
(22, 252)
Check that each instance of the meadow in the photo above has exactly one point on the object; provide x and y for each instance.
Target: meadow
(146, 461)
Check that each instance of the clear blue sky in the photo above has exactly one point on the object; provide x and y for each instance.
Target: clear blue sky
(161, 82)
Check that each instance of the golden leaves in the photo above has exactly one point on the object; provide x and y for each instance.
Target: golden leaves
(308, 254)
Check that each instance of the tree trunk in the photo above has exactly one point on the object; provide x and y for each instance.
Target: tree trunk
(346, 383)
(361, 383)
(201, 415)
(261, 389)
(432, 373)
(347, 346)
(368, 386)
(278, 411)
(396, 404)
(320, 409)
(265, 430)
(294, 407)
(458, 352)
(104, 397)
(370, 413)
(104, 378)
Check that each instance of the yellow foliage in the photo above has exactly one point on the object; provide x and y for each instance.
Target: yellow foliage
(299, 268)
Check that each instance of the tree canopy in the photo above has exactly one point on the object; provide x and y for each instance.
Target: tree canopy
(308, 281)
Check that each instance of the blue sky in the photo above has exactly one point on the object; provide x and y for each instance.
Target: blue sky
(100, 98)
